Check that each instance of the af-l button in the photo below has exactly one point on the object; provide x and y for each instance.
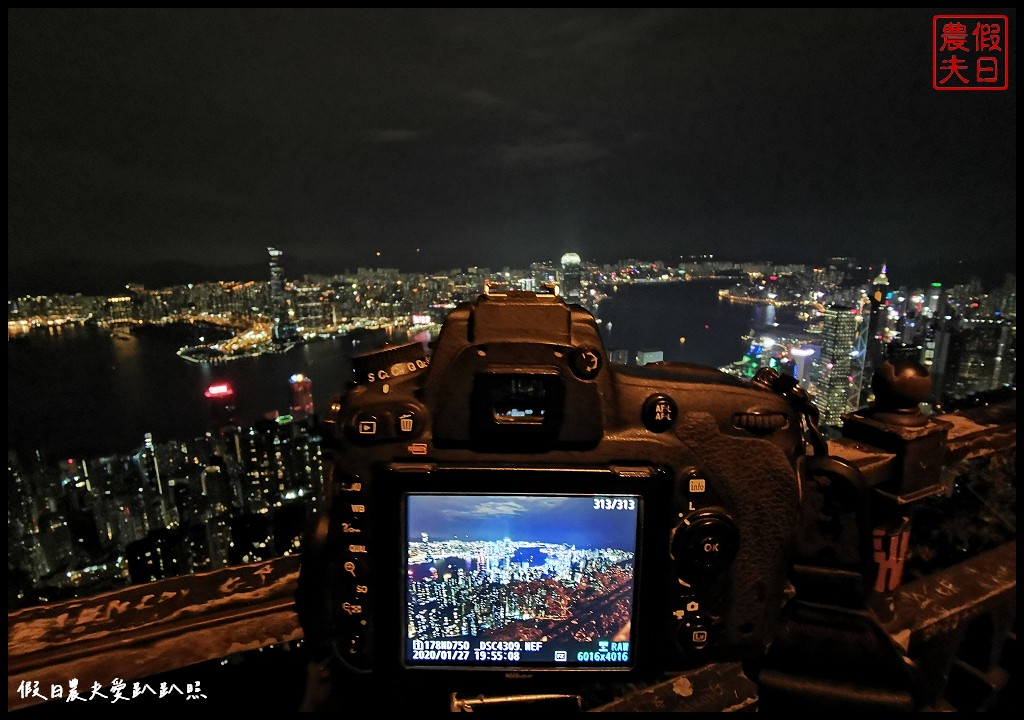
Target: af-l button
(659, 413)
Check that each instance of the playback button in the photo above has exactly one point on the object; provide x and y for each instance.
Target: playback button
(366, 427)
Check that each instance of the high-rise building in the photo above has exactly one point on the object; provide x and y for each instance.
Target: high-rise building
(218, 487)
(801, 357)
(160, 510)
(982, 357)
(572, 278)
(120, 309)
(301, 396)
(649, 355)
(875, 340)
(284, 328)
(252, 538)
(208, 543)
(838, 394)
(220, 397)
(936, 300)
(161, 554)
(619, 356)
(282, 462)
(277, 301)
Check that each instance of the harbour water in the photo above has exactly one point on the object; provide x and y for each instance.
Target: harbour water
(84, 392)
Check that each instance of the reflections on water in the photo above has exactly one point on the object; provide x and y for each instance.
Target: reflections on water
(81, 390)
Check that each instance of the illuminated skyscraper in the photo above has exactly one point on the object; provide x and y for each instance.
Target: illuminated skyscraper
(120, 309)
(151, 464)
(801, 363)
(838, 393)
(302, 396)
(217, 486)
(619, 356)
(284, 328)
(160, 509)
(982, 356)
(936, 300)
(222, 410)
(572, 278)
(875, 340)
(161, 554)
(277, 303)
(281, 463)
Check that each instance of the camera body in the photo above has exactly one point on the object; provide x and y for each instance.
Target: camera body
(516, 509)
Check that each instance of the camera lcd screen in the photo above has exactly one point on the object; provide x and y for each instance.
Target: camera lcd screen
(528, 581)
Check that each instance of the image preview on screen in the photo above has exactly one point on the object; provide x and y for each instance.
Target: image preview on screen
(521, 579)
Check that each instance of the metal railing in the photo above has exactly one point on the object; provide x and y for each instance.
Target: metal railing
(957, 622)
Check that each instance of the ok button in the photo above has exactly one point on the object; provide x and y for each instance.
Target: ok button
(705, 543)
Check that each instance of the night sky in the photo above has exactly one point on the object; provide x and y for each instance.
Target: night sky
(552, 519)
(164, 146)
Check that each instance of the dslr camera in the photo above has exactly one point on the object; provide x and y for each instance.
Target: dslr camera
(513, 514)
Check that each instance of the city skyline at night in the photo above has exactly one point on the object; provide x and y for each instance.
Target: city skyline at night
(168, 146)
(216, 214)
(560, 519)
(965, 335)
(546, 575)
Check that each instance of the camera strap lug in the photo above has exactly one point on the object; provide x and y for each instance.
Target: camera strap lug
(787, 387)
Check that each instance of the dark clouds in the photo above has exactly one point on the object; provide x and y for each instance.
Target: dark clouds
(195, 138)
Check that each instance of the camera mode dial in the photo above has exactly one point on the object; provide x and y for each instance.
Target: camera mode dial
(390, 363)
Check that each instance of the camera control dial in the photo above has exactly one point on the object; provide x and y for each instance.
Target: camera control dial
(703, 544)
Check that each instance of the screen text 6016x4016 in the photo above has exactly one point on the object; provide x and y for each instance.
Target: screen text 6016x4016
(520, 580)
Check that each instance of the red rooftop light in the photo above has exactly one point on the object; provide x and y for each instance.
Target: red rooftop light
(219, 390)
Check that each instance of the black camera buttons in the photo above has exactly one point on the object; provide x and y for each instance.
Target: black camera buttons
(696, 633)
(659, 413)
(585, 363)
(695, 629)
(354, 571)
(366, 427)
(354, 650)
(383, 424)
(407, 422)
(705, 543)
